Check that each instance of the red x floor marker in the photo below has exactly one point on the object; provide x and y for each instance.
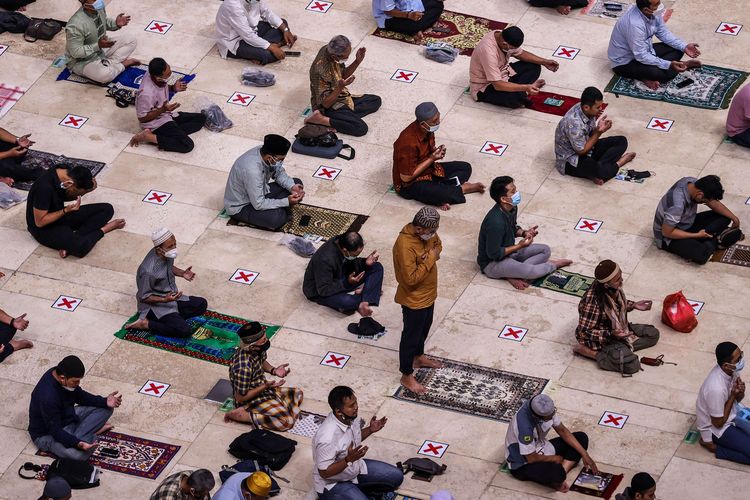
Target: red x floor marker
(3, 48)
(327, 173)
(611, 419)
(244, 277)
(154, 388)
(731, 29)
(404, 75)
(319, 6)
(335, 360)
(241, 99)
(566, 52)
(66, 303)
(493, 148)
(660, 124)
(513, 333)
(156, 197)
(73, 121)
(158, 27)
(588, 225)
(697, 305)
(433, 449)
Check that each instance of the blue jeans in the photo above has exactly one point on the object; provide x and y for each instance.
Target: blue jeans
(742, 420)
(347, 302)
(377, 472)
(90, 420)
(733, 445)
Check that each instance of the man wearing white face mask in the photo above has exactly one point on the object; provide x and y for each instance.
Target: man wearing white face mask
(249, 29)
(162, 308)
(499, 256)
(417, 172)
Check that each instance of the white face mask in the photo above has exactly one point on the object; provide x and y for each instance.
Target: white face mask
(427, 236)
(71, 389)
(171, 254)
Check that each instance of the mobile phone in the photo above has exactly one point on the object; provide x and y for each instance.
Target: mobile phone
(304, 220)
(684, 83)
(550, 101)
(455, 180)
(292, 53)
(109, 452)
(612, 6)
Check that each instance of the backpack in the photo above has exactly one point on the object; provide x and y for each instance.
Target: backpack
(79, 475)
(266, 447)
(13, 22)
(317, 136)
(618, 357)
(250, 466)
(42, 29)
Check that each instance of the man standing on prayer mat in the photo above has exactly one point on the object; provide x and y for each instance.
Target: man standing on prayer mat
(410, 17)
(579, 149)
(632, 53)
(90, 53)
(162, 309)
(12, 153)
(415, 255)
(738, 119)
(496, 81)
(562, 6)
(417, 175)
(251, 198)
(258, 401)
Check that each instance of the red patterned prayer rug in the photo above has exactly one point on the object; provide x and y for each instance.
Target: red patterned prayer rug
(538, 104)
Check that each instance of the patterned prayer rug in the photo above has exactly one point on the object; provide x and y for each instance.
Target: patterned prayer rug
(130, 78)
(596, 8)
(9, 96)
(565, 282)
(214, 337)
(553, 106)
(40, 159)
(138, 456)
(713, 88)
(463, 31)
(307, 424)
(473, 389)
(737, 255)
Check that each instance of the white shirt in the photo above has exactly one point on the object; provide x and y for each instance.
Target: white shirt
(331, 444)
(712, 397)
(238, 20)
(232, 488)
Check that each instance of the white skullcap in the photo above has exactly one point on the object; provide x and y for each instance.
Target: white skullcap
(160, 236)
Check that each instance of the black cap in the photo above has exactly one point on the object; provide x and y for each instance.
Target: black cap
(641, 482)
(513, 35)
(274, 144)
(71, 366)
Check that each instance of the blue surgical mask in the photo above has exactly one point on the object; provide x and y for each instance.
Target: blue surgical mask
(98, 5)
(432, 128)
(515, 200)
(278, 163)
(739, 366)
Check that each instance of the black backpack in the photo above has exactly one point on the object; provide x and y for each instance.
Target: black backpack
(266, 447)
(42, 29)
(79, 475)
(14, 22)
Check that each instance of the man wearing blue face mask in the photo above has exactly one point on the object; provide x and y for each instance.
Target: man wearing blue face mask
(499, 256)
(162, 308)
(90, 53)
(716, 407)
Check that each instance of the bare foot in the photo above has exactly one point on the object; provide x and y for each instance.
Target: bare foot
(625, 159)
(139, 324)
(652, 84)
(472, 187)
(63, 253)
(561, 262)
(7, 180)
(418, 37)
(318, 118)
(131, 62)
(563, 9)
(584, 351)
(364, 309)
(144, 135)
(693, 63)
(411, 384)
(113, 224)
(597, 181)
(445, 206)
(709, 446)
(540, 83)
(563, 488)
(518, 284)
(424, 361)
(239, 415)
(21, 344)
(105, 428)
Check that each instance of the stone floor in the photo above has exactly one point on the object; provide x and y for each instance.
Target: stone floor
(470, 309)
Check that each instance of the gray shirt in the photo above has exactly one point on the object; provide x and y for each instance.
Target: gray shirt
(156, 277)
(249, 180)
(571, 135)
(676, 209)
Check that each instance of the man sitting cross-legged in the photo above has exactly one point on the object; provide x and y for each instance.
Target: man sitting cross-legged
(564, 7)
(579, 149)
(12, 153)
(262, 403)
(8, 327)
(410, 17)
(499, 256)
(339, 278)
(185, 485)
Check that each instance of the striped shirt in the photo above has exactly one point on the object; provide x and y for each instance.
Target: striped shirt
(156, 277)
(676, 209)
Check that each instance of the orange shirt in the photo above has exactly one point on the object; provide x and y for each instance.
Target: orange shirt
(417, 277)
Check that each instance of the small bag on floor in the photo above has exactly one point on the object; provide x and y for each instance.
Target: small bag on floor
(13, 22)
(216, 120)
(42, 29)
(423, 468)
(264, 446)
(320, 141)
(79, 475)
(255, 77)
(441, 52)
(678, 314)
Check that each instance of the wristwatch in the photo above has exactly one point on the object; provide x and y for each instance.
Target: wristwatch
(286, 29)
(349, 464)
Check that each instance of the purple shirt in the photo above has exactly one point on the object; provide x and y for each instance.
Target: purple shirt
(151, 96)
(738, 119)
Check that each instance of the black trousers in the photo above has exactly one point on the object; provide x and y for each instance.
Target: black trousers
(174, 324)
(699, 251)
(263, 56)
(6, 335)
(76, 232)
(440, 190)
(11, 5)
(432, 11)
(350, 122)
(417, 323)
(526, 72)
(743, 138)
(602, 164)
(640, 71)
(12, 167)
(272, 219)
(574, 4)
(174, 136)
(549, 473)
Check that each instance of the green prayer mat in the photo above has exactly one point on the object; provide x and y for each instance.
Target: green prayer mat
(713, 88)
(214, 337)
(565, 282)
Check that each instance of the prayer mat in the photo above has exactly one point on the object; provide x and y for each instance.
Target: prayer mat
(473, 389)
(713, 88)
(138, 456)
(463, 31)
(554, 108)
(602, 485)
(214, 337)
(9, 96)
(220, 392)
(39, 159)
(737, 255)
(130, 78)
(565, 282)
(596, 8)
(307, 424)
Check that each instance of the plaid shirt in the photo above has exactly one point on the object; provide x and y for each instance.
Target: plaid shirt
(594, 326)
(324, 74)
(246, 373)
(170, 489)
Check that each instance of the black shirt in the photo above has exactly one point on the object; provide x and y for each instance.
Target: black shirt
(45, 194)
(327, 271)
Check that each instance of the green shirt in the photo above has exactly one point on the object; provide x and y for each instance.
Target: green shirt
(82, 34)
(498, 231)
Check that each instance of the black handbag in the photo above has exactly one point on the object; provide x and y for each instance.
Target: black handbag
(423, 468)
(42, 29)
(13, 22)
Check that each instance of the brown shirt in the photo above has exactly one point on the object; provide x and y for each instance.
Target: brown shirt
(324, 73)
(416, 276)
(410, 149)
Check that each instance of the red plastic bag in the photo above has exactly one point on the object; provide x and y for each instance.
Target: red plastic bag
(678, 314)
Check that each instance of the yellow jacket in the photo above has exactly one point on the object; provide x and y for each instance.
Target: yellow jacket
(416, 268)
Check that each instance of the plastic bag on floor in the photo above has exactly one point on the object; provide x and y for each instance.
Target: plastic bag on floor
(257, 77)
(9, 196)
(216, 120)
(299, 245)
(441, 52)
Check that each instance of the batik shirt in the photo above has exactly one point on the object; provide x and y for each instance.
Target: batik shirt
(571, 135)
(170, 489)
(246, 373)
(324, 74)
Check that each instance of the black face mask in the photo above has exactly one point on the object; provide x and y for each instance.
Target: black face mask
(346, 418)
(264, 347)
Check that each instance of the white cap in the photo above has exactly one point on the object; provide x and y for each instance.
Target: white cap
(160, 236)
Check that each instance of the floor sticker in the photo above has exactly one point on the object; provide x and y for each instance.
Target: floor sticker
(612, 419)
(244, 277)
(513, 333)
(241, 99)
(156, 197)
(660, 124)
(73, 121)
(433, 449)
(404, 75)
(327, 173)
(154, 388)
(319, 6)
(158, 27)
(697, 305)
(729, 29)
(335, 360)
(493, 148)
(588, 225)
(3, 48)
(566, 52)
(66, 303)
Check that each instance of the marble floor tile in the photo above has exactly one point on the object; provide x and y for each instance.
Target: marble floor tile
(17, 246)
(705, 480)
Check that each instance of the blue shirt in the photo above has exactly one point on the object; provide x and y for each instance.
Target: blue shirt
(632, 39)
(380, 6)
(526, 435)
(232, 487)
(571, 136)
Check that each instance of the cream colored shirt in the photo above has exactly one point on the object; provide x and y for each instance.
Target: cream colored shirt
(489, 64)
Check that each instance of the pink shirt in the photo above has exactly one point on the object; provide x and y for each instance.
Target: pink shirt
(489, 64)
(738, 119)
(151, 96)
